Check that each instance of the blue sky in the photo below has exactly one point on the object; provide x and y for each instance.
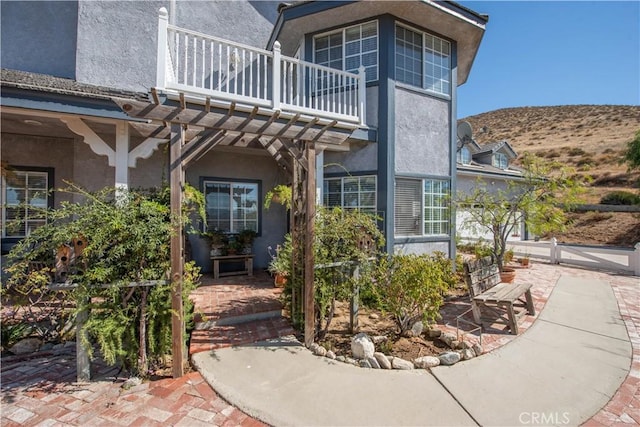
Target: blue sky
(554, 53)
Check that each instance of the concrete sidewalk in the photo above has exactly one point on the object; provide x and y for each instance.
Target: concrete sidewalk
(561, 371)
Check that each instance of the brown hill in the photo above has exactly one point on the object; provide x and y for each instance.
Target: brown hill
(592, 139)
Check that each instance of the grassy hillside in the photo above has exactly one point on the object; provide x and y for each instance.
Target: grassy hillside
(592, 139)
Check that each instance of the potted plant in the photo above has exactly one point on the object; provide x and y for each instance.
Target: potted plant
(280, 265)
(233, 247)
(245, 241)
(217, 241)
(524, 261)
(279, 194)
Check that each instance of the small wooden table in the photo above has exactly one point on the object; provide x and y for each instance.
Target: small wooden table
(248, 265)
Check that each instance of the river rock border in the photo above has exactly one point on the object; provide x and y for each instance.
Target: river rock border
(364, 354)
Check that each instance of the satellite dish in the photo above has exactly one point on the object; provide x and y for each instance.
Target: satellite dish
(465, 132)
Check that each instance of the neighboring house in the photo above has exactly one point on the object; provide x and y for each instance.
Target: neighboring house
(86, 87)
(490, 165)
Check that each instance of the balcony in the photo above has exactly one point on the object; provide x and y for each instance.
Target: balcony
(201, 67)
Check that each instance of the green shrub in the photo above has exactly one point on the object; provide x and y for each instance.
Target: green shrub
(412, 287)
(576, 151)
(128, 240)
(620, 198)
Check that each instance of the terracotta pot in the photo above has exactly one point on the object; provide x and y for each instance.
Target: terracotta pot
(524, 262)
(507, 275)
(280, 280)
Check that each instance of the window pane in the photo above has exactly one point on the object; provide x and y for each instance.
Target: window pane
(218, 205)
(408, 201)
(352, 33)
(436, 212)
(245, 207)
(20, 190)
(322, 42)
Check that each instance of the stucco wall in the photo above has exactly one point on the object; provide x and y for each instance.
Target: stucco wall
(117, 40)
(45, 152)
(361, 158)
(221, 164)
(422, 134)
(39, 37)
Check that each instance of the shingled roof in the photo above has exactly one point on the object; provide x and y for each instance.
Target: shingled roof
(51, 84)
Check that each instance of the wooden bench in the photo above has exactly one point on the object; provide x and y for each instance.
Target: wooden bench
(488, 292)
(248, 265)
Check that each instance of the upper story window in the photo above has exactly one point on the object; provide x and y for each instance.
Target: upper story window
(348, 48)
(500, 160)
(464, 156)
(24, 198)
(423, 60)
(352, 192)
(232, 206)
(422, 207)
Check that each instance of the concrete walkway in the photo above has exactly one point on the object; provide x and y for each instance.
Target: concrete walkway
(561, 371)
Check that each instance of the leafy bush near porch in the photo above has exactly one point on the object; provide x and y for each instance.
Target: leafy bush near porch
(412, 287)
(128, 241)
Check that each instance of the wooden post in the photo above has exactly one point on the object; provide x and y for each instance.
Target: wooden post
(309, 261)
(175, 183)
(83, 364)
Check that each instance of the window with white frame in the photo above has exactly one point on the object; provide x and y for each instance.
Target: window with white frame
(423, 60)
(231, 206)
(352, 192)
(500, 160)
(464, 156)
(24, 198)
(422, 207)
(349, 48)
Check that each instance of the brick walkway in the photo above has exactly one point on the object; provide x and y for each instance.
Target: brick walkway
(41, 391)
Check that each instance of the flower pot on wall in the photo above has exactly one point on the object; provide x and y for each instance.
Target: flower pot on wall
(507, 275)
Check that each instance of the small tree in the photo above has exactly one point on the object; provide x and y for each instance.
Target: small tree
(632, 154)
(540, 200)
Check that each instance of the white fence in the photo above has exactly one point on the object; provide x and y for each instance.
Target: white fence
(203, 65)
(600, 257)
(625, 260)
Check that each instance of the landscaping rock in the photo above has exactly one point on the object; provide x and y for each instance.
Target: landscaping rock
(383, 361)
(331, 355)
(448, 338)
(435, 333)
(398, 363)
(69, 344)
(46, 347)
(341, 359)
(25, 346)
(454, 344)
(463, 345)
(131, 382)
(477, 349)
(320, 351)
(467, 354)
(417, 328)
(425, 362)
(449, 358)
(379, 339)
(352, 361)
(361, 346)
(373, 362)
(374, 316)
(408, 333)
(364, 363)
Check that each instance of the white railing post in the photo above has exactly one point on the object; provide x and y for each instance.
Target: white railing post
(276, 75)
(362, 95)
(553, 256)
(636, 260)
(163, 45)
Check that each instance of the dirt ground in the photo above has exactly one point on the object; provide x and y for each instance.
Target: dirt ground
(375, 323)
(602, 228)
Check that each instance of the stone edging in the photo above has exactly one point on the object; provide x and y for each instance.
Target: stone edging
(364, 354)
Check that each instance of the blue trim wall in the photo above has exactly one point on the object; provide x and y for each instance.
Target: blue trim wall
(453, 106)
(386, 126)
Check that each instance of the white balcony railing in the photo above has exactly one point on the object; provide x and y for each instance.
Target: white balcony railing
(203, 65)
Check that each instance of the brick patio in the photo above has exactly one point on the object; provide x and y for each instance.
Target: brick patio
(41, 390)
